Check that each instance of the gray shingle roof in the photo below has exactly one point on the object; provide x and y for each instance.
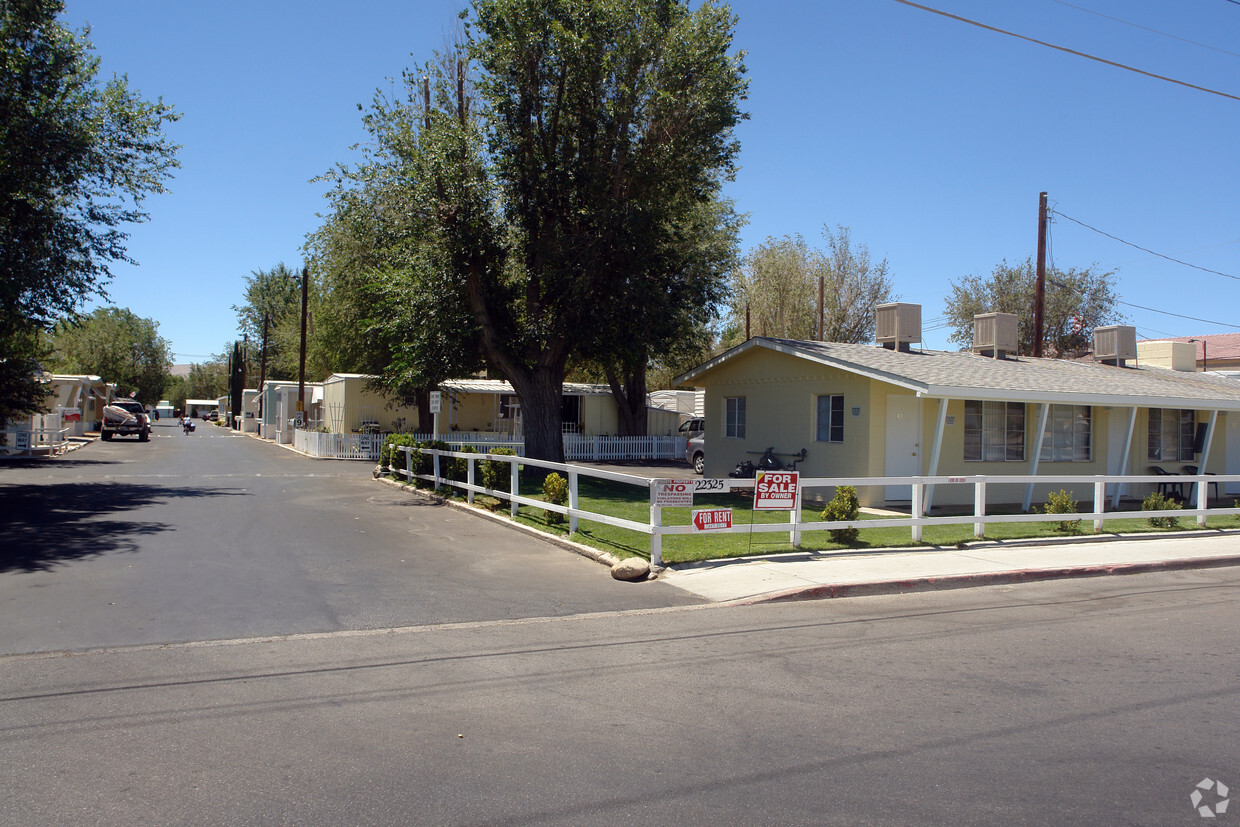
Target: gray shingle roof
(964, 375)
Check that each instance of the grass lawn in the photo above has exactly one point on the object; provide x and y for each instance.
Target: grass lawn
(632, 503)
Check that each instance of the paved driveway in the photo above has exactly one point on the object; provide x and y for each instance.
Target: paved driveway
(215, 535)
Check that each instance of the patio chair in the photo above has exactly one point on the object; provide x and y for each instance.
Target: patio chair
(1168, 488)
(1192, 471)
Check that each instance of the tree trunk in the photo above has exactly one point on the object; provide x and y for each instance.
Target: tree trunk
(630, 398)
(541, 392)
(426, 419)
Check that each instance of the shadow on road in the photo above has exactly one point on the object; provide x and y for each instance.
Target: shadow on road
(45, 526)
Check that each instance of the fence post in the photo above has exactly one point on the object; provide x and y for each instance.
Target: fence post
(916, 509)
(1100, 501)
(572, 500)
(979, 508)
(1203, 499)
(514, 486)
(469, 480)
(435, 471)
(794, 536)
(656, 537)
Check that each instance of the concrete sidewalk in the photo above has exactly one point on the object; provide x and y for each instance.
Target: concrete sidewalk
(816, 575)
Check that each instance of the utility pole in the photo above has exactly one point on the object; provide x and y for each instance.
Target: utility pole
(1039, 293)
(301, 370)
(262, 370)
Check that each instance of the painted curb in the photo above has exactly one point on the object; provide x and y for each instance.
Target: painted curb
(965, 581)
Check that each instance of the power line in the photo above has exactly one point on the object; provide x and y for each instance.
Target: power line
(1071, 51)
(1177, 315)
(1145, 250)
(1147, 28)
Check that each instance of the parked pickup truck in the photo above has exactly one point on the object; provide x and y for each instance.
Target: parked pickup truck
(125, 417)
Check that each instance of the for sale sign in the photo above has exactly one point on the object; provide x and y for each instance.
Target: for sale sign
(775, 490)
(674, 493)
(706, 519)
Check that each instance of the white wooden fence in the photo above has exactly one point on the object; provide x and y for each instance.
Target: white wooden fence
(576, 446)
(795, 526)
(338, 446)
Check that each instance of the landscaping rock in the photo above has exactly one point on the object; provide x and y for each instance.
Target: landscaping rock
(632, 568)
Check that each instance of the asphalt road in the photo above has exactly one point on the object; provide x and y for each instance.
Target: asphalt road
(215, 535)
(1074, 702)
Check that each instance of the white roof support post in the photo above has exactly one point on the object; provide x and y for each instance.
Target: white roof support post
(935, 452)
(1205, 446)
(1123, 468)
(1044, 408)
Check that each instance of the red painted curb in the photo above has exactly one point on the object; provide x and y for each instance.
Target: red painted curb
(964, 581)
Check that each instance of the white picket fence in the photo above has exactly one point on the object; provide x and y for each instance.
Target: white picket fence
(338, 446)
(577, 448)
(610, 448)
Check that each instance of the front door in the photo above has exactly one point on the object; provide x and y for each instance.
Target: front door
(903, 453)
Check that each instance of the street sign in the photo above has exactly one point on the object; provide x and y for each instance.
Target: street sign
(675, 493)
(436, 401)
(775, 490)
(706, 519)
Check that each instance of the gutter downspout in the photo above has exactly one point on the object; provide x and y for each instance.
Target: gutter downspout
(1127, 458)
(1044, 409)
(933, 470)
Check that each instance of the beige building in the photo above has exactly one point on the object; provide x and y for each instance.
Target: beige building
(490, 406)
(862, 410)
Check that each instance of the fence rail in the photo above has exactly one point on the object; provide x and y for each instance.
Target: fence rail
(917, 520)
(42, 440)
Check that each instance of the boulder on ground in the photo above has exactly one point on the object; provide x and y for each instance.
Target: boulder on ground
(632, 568)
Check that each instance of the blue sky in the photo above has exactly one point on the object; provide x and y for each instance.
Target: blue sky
(929, 137)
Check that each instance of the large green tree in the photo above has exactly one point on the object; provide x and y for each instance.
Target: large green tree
(1075, 301)
(118, 346)
(599, 128)
(77, 157)
(777, 287)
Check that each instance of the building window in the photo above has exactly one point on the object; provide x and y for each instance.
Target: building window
(831, 418)
(994, 431)
(734, 417)
(1067, 434)
(1172, 433)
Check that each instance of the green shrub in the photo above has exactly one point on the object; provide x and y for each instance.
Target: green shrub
(1157, 502)
(426, 462)
(391, 455)
(555, 490)
(1062, 502)
(497, 474)
(843, 506)
(458, 467)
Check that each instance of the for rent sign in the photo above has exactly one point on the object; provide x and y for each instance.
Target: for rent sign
(706, 519)
(775, 491)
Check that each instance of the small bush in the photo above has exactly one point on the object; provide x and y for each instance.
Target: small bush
(1062, 502)
(391, 455)
(426, 462)
(843, 506)
(458, 467)
(1157, 502)
(496, 474)
(555, 490)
